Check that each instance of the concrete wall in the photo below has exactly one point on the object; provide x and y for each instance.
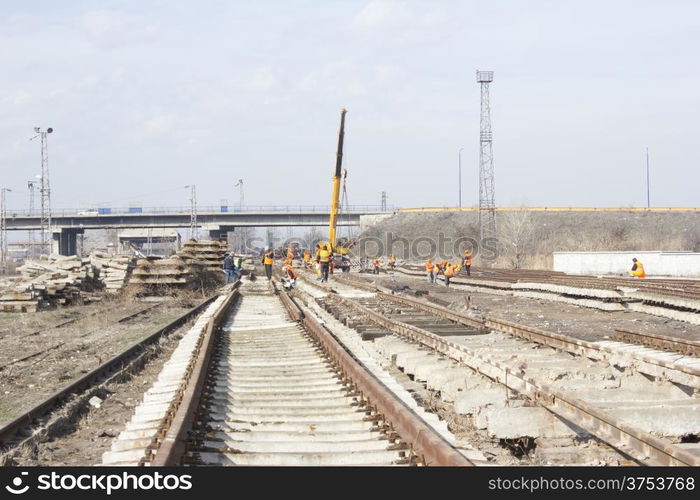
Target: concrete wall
(678, 264)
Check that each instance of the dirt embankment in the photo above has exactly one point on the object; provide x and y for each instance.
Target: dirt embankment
(527, 239)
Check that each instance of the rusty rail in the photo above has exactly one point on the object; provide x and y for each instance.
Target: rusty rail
(90, 378)
(682, 346)
(171, 448)
(645, 448)
(425, 442)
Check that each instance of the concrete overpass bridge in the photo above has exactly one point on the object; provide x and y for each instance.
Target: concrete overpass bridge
(214, 221)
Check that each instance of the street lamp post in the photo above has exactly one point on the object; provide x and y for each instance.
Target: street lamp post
(193, 211)
(460, 177)
(3, 229)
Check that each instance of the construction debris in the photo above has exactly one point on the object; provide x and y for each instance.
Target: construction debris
(62, 280)
(114, 270)
(172, 271)
(206, 254)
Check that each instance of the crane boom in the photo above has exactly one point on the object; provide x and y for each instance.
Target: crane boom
(335, 199)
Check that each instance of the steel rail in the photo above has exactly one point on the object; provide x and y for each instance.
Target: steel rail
(551, 339)
(663, 342)
(169, 447)
(90, 378)
(646, 449)
(424, 441)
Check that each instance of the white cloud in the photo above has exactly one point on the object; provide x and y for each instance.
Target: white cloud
(110, 29)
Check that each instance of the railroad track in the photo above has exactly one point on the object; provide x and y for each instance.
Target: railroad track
(609, 399)
(34, 423)
(267, 384)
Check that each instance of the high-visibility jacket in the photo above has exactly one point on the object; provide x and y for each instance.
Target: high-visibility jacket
(449, 271)
(467, 259)
(392, 259)
(324, 256)
(269, 258)
(429, 267)
(638, 270)
(377, 263)
(307, 256)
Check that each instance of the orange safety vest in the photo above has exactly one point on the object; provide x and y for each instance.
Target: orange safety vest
(307, 256)
(392, 259)
(450, 271)
(324, 256)
(467, 259)
(377, 263)
(428, 267)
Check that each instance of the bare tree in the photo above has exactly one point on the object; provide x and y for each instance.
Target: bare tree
(517, 237)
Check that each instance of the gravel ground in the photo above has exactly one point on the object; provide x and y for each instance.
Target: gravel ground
(580, 322)
(91, 435)
(60, 355)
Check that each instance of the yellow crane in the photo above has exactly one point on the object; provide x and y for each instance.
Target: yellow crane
(338, 176)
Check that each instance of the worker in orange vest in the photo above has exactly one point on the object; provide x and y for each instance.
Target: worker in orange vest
(324, 258)
(377, 264)
(289, 279)
(307, 259)
(392, 261)
(449, 273)
(268, 259)
(467, 262)
(291, 253)
(637, 269)
(429, 268)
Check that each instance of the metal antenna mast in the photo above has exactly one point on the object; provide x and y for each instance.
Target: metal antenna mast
(3, 229)
(45, 190)
(487, 203)
(193, 211)
(30, 234)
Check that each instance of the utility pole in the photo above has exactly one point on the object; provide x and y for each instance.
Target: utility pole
(193, 211)
(383, 201)
(240, 199)
(3, 229)
(45, 190)
(30, 234)
(487, 203)
(648, 198)
(460, 177)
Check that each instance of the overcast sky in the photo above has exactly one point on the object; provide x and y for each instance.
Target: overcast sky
(147, 96)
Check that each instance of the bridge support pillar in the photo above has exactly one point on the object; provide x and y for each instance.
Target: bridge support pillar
(65, 240)
(215, 232)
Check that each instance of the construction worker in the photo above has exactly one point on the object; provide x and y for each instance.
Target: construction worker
(237, 267)
(307, 259)
(449, 273)
(291, 253)
(268, 259)
(289, 279)
(228, 268)
(467, 262)
(324, 258)
(377, 264)
(429, 267)
(392, 261)
(637, 269)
